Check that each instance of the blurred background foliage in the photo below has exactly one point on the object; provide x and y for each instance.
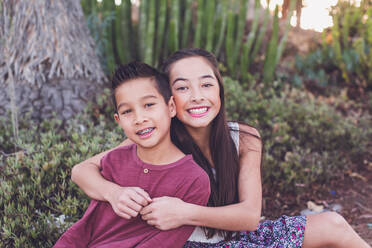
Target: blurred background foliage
(150, 31)
(313, 111)
(344, 57)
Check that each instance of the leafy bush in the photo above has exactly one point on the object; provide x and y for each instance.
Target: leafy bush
(38, 200)
(305, 141)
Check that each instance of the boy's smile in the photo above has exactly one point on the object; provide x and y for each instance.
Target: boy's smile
(143, 114)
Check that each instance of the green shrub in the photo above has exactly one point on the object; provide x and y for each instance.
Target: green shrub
(38, 200)
(305, 141)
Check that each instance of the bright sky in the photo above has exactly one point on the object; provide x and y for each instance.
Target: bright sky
(314, 13)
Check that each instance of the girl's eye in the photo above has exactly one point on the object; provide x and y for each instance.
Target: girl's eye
(147, 105)
(207, 85)
(126, 112)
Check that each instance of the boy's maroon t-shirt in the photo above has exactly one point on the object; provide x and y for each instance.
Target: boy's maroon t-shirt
(101, 227)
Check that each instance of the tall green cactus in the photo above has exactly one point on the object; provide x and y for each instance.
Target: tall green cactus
(345, 28)
(242, 20)
(150, 34)
(186, 22)
(125, 31)
(142, 29)
(210, 7)
(271, 53)
(283, 40)
(160, 30)
(245, 58)
(222, 7)
(262, 32)
(174, 26)
(199, 24)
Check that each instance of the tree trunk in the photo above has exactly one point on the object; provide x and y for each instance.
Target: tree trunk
(47, 59)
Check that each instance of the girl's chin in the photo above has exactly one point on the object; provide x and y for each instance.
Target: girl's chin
(197, 123)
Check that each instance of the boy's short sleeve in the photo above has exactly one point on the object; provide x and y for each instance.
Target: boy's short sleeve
(196, 192)
(106, 166)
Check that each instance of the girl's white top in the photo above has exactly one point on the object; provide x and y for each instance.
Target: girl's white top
(198, 235)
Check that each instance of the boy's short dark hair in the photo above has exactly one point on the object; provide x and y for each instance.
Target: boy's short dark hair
(135, 70)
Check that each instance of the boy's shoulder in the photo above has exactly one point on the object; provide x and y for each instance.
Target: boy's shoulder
(120, 151)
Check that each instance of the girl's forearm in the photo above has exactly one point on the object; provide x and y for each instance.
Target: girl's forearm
(89, 179)
(235, 217)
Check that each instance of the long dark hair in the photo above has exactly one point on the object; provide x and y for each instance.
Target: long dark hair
(224, 185)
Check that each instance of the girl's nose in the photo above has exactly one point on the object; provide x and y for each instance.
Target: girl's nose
(197, 96)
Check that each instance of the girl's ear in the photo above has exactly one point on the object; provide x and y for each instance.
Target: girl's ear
(172, 107)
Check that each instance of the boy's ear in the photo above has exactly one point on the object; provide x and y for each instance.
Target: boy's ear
(116, 117)
(172, 107)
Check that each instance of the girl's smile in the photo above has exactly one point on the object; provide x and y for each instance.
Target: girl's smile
(198, 111)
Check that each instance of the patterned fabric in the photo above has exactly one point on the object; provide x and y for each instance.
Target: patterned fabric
(281, 233)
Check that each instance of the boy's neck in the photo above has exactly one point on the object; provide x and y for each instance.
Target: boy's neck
(162, 154)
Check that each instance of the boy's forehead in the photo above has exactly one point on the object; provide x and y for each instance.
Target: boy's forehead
(138, 88)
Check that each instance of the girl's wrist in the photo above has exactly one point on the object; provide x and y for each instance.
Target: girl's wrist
(190, 214)
(110, 191)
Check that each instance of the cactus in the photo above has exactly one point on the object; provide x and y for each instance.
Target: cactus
(124, 30)
(160, 30)
(229, 48)
(150, 34)
(186, 23)
(199, 24)
(173, 26)
(210, 7)
(261, 34)
(345, 28)
(271, 53)
(222, 29)
(245, 58)
(142, 29)
(242, 19)
(285, 36)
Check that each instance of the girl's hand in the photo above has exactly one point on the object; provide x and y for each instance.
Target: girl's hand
(166, 213)
(127, 202)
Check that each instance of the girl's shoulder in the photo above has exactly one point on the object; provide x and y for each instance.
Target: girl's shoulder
(249, 139)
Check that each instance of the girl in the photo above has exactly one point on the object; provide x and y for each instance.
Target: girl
(231, 155)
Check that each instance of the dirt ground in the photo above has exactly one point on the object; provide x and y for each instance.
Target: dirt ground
(353, 192)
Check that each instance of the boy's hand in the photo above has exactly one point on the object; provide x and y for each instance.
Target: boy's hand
(127, 202)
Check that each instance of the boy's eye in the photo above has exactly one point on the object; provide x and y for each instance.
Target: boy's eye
(126, 112)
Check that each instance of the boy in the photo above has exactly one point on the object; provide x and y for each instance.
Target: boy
(151, 167)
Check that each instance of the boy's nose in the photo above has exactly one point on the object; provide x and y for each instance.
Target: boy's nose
(139, 118)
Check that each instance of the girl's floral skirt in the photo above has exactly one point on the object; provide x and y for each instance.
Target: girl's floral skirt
(281, 233)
